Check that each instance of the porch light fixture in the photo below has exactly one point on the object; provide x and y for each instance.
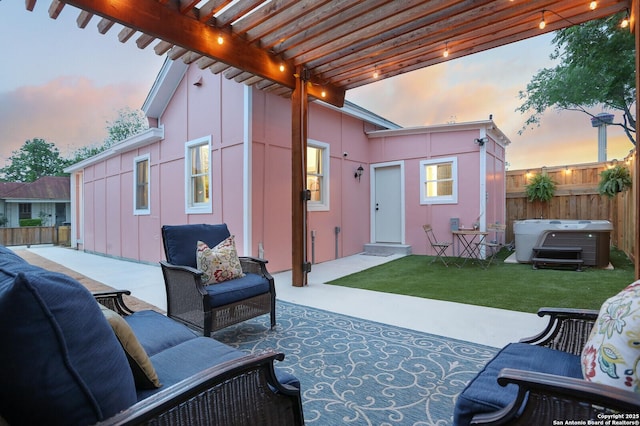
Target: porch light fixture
(542, 24)
(446, 50)
(358, 172)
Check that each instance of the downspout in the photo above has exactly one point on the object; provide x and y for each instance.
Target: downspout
(246, 171)
(482, 217)
(73, 206)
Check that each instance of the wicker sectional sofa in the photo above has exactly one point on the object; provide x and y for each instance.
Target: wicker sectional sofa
(539, 380)
(64, 362)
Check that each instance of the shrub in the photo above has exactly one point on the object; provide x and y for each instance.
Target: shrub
(30, 222)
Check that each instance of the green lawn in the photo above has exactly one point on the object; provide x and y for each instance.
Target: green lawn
(515, 287)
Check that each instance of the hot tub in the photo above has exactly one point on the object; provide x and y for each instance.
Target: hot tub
(591, 235)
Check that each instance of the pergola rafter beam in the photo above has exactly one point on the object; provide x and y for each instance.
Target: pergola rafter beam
(185, 31)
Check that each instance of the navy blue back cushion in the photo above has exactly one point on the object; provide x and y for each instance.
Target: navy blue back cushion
(60, 362)
(180, 241)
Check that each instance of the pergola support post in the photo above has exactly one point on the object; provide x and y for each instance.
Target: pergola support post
(635, 20)
(299, 107)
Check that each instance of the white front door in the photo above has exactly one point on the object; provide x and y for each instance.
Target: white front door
(388, 204)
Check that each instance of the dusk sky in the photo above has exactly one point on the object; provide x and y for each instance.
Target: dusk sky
(64, 84)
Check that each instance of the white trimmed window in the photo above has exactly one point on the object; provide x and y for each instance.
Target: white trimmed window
(197, 162)
(439, 181)
(141, 171)
(318, 175)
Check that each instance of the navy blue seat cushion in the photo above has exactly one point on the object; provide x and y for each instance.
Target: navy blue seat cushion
(484, 395)
(60, 362)
(180, 241)
(237, 289)
(192, 357)
(156, 332)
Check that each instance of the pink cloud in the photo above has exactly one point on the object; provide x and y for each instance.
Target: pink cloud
(434, 96)
(68, 111)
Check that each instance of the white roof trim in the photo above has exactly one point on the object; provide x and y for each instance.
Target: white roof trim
(172, 73)
(147, 137)
(361, 113)
(164, 87)
(35, 200)
(490, 127)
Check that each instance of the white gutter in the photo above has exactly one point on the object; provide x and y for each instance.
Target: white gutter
(487, 126)
(147, 137)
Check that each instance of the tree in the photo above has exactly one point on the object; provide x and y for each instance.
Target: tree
(128, 123)
(597, 68)
(35, 159)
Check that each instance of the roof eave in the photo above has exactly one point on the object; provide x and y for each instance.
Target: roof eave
(489, 126)
(147, 137)
(164, 87)
(361, 113)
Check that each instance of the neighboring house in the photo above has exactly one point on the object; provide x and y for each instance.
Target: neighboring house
(220, 151)
(48, 198)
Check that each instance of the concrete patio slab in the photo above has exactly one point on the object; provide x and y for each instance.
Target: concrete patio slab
(487, 326)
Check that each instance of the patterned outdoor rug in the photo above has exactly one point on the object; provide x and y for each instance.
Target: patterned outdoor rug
(359, 372)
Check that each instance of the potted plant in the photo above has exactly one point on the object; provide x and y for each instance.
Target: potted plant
(540, 188)
(614, 180)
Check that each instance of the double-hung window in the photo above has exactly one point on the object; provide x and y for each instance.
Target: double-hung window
(439, 181)
(24, 211)
(198, 176)
(318, 175)
(141, 169)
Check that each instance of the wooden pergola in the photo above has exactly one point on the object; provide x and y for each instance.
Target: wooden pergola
(318, 49)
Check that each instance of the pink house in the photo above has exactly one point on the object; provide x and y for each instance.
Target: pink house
(220, 151)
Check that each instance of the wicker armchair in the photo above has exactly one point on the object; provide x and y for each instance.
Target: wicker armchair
(543, 398)
(241, 392)
(196, 305)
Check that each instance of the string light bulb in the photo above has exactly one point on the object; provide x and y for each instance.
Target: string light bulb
(625, 21)
(282, 68)
(375, 73)
(323, 93)
(593, 5)
(446, 50)
(220, 39)
(542, 24)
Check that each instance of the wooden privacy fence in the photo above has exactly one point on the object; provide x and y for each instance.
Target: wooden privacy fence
(577, 198)
(33, 235)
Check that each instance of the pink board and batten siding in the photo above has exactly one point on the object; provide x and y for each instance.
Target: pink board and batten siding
(255, 202)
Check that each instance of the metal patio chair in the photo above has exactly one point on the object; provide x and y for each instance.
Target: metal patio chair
(491, 246)
(440, 247)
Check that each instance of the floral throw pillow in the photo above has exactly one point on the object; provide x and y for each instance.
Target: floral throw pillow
(220, 263)
(612, 352)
